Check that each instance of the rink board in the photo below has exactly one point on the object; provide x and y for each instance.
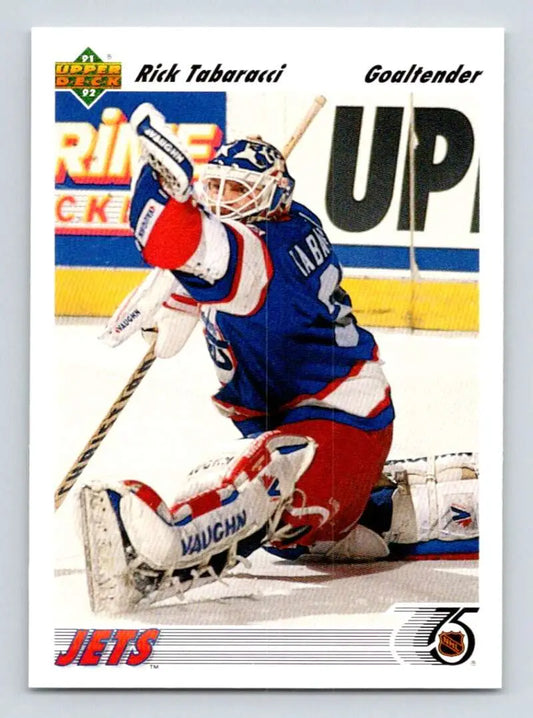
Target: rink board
(377, 302)
(351, 168)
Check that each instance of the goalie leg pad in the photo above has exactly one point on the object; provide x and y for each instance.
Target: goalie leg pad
(140, 538)
(255, 488)
(435, 499)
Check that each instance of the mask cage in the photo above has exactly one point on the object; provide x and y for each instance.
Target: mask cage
(256, 199)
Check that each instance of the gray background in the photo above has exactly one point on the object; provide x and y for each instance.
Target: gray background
(516, 16)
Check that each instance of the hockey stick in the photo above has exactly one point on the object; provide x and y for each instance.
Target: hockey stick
(104, 427)
(318, 104)
(149, 358)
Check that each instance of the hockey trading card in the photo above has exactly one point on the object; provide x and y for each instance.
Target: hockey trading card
(266, 374)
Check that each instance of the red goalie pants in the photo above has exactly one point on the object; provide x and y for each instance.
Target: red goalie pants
(332, 494)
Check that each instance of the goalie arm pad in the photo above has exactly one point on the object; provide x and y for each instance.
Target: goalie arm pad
(177, 235)
(173, 233)
(167, 232)
(225, 264)
(165, 222)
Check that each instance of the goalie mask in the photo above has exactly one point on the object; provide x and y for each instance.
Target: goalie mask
(247, 179)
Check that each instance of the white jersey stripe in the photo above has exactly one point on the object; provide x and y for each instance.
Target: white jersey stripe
(254, 274)
(357, 395)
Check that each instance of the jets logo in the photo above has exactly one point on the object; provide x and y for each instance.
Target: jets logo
(249, 155)
(219, 348)
(258, 155)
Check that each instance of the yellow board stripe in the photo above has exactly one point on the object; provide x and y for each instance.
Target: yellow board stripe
(93, 292)
(452, 306)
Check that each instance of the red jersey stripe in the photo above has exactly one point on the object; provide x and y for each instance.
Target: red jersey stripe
(169, 247)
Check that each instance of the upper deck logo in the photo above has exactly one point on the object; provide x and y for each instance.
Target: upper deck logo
(88, 76)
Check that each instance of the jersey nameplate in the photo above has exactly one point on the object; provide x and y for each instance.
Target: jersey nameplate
(311, 252)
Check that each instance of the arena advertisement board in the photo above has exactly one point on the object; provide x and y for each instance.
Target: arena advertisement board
(326, 215)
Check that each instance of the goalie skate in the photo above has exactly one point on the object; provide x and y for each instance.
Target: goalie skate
(110, 582)
(117, 580)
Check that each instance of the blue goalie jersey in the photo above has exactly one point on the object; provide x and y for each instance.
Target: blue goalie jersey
(280, 329)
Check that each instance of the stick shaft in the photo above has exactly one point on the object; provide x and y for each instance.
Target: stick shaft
(318, 104)
(104, 427)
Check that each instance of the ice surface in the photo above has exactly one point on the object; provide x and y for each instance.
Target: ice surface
(169, 425)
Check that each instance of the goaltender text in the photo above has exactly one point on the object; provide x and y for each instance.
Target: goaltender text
(416, 73)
